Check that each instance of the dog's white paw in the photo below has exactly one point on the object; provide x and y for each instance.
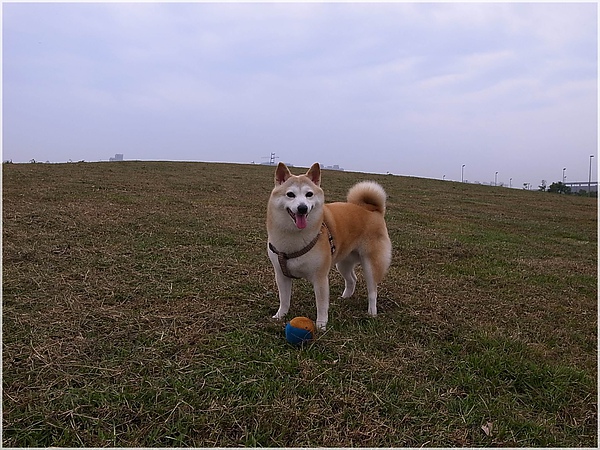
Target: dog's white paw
(279, 315)
(321, 326)
(372, 311)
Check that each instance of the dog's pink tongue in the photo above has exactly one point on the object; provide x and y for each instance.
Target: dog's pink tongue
(301, 220)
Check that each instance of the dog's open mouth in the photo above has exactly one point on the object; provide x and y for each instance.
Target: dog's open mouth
(299, 219)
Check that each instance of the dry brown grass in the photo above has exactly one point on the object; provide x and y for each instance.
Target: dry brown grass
(137, 300)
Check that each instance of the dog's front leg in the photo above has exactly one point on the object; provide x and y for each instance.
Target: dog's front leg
(321, 287)
(284, 286)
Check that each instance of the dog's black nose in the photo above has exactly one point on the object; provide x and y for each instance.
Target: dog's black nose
(302, 209)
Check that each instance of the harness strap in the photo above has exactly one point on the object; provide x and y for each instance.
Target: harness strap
(283, 257)
(330, 237)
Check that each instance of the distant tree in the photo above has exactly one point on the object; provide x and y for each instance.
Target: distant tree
(542, 187)
(559, 188)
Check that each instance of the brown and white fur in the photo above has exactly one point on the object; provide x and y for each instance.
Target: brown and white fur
(295, 214)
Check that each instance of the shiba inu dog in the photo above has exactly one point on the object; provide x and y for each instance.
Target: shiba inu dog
(306, 237)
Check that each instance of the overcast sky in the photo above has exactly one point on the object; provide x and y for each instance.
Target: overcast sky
(407, 88)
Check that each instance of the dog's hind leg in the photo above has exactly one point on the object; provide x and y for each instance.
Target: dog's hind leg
(371, 287)
(374, 267)
(346, 268)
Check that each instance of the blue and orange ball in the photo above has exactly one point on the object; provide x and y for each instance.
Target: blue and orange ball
(300, 330)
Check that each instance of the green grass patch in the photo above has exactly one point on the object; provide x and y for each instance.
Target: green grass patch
(494, 378)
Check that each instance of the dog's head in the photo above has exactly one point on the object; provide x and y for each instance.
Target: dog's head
(298, 196)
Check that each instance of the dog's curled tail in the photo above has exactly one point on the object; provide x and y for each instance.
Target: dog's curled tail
(369, 195)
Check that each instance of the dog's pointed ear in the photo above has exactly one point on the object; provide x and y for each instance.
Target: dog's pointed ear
(314, 174)
(282, 173)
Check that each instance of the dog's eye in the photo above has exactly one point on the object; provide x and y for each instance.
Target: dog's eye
(309, 194)
(291, 195)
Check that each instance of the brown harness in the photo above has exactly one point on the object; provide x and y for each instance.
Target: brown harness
(283, 257)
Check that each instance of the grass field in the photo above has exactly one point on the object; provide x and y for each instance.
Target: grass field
(137, 299)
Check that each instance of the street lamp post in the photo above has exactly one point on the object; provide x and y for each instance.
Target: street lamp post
(510, 183)
(496, 179)
(564, 174)
(462, 174)
(590, 177)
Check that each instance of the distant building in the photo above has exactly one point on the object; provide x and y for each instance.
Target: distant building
(578, 186)
(118, 157)
(334, 167)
